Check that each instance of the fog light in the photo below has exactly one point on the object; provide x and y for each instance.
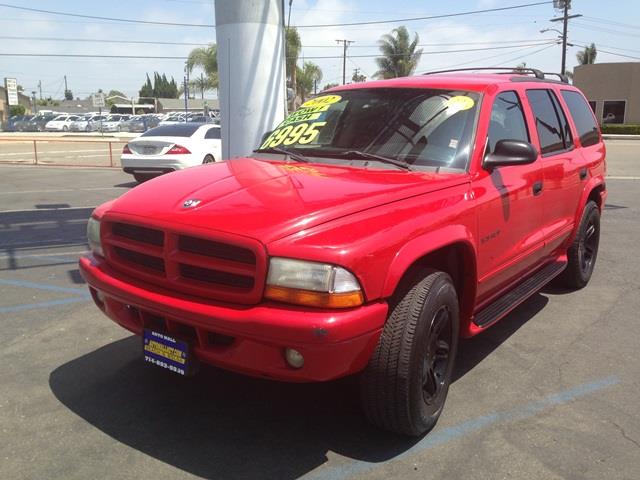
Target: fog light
(294, 358)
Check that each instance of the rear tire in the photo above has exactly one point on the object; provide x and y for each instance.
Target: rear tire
(208, 159)
(143, 177)
(583, 251)
(405, 384)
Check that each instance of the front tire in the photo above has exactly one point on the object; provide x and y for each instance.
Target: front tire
(583, 251)
(405, 384)
(143, 177)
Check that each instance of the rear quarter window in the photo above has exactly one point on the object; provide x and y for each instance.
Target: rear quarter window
(180, 130)
(582, 117)
(213, 133)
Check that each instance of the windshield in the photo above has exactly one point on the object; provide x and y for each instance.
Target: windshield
(419, 127)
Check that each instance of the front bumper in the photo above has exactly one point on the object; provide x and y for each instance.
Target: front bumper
(334, 343)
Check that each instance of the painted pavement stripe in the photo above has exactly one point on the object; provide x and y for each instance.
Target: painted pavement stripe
(448, 434)
(51, 303)
(42, 286)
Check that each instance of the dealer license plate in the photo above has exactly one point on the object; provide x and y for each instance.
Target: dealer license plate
(166, 352)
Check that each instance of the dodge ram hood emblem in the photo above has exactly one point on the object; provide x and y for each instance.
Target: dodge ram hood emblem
(192, 202)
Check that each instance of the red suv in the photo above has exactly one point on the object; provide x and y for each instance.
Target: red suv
(372, 228)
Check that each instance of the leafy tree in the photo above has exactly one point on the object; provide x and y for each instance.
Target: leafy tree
(147, 89)
(588, 55)
(292, 52)
(114, 93)
(199, 84)
(329, 85)
(307, 77)
(48, 102)
(68, 95)
(400, 57)
(358, 77)
(205, 58)
(16, 110)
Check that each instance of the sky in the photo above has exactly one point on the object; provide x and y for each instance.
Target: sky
(613, 26)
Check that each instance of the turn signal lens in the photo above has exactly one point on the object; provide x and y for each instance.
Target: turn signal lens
(179, 150)
(314, 299)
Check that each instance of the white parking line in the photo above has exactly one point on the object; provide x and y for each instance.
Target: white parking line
(64, 190)
(46, 209)
(622, 178)
(46, 152)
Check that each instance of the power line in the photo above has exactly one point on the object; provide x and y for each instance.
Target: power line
(177, 24)
(500, 42)
(525, 55)
(101, 40)
(110, 19)
(156, 57)
(430, 17)
(610, 22)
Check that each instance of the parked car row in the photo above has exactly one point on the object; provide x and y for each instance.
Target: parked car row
(95, 122)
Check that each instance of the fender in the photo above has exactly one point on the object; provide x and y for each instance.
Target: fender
(592, 183)
(428, 243)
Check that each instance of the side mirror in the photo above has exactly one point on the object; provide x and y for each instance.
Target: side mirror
(510, 152)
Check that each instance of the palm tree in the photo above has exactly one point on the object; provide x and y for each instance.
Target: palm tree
(588, 55)
(400, 57)
(201, 84)
(207, 59)
(307, 77)
(292, 52)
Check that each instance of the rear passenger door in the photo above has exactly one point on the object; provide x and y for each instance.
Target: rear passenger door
(560, 163)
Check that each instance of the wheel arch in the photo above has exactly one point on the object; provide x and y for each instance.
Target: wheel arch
(456, 256)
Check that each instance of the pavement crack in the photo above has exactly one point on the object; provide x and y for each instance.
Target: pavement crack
(624, 434)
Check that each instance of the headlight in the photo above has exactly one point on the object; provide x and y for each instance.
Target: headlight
(93, 236)
(313, 284)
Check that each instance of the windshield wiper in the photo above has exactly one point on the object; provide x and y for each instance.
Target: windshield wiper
(358, 154)
(284, 151)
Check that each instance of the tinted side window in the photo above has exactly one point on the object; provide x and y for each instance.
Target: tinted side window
(507, 120)
(547, 122)
(566, 130)
(582, 117)
(213, 133)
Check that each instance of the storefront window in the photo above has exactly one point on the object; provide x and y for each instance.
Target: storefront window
(613, 111)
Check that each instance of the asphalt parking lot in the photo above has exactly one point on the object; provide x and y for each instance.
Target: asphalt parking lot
(550, 392)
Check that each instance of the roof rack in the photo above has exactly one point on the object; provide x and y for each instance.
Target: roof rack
(513, 70)
(563, 78)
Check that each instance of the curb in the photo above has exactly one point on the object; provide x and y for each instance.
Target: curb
(617, 136)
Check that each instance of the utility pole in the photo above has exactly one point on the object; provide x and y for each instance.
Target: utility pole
(65, 85)
(202, 85)
(252, 93)
(345, 44)
(564, 5)
(40, 88)
(186, 92)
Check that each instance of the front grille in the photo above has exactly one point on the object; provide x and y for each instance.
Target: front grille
(209, 248)
(147, 261)
(139, 234)
(226, 268)
(215, 276)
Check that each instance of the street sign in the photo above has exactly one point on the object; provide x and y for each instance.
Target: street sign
(11, 85)
(98, 100)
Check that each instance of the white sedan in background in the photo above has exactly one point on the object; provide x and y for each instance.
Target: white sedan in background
(166, 148)
(62, 123)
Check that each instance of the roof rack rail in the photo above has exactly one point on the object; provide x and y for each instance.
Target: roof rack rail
(563, 78)
(516, 70)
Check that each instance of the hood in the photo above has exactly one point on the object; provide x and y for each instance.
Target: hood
(271, 200)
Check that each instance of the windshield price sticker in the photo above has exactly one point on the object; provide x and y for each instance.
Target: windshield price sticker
(302, 134)
(459, 103)
(300, 127)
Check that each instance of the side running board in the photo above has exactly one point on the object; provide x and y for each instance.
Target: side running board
(503, 305)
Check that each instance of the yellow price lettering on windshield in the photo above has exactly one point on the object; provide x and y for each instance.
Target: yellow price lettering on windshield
(302, 134)
(321, 101)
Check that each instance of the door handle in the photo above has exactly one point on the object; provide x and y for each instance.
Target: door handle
(583, 173)
(537, 188)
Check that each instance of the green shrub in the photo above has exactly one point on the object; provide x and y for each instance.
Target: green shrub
(621, 129)
(16, 110)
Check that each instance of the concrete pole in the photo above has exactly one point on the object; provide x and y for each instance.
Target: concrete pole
(250, 38)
